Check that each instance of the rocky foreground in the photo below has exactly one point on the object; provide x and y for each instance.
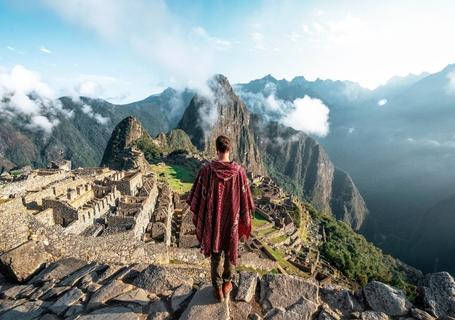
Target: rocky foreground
(74, 289)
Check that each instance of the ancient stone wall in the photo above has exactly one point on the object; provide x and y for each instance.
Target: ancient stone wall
(162, 216)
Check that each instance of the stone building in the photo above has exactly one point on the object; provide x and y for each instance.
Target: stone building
(133, 213)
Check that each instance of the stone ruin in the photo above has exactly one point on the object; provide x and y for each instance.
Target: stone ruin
(96, 202)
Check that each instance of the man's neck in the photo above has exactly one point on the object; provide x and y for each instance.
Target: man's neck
(223, 158)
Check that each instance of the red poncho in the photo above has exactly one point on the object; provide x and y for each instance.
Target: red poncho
(222, 206)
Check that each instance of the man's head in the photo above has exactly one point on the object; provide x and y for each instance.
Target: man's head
(223, 145)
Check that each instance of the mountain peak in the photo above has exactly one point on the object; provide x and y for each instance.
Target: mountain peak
(120, 153)
(269, 78)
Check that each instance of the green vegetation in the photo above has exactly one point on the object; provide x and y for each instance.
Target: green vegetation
(278, 239)
(357, 258)
(279, 257)
(266, 231)
(258, 221)
(149, 148)
(179, 177)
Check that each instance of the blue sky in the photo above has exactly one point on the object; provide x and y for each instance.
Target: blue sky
(126, 50)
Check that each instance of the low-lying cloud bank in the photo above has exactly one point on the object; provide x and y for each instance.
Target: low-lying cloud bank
(306, 114)
(23, 94)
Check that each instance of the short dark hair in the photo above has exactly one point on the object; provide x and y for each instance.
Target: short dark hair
(223, 144)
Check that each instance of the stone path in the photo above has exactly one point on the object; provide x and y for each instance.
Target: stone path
(73, 289)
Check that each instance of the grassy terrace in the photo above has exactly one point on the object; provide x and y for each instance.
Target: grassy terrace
(258, 221)
(179, 178)
(278, 255)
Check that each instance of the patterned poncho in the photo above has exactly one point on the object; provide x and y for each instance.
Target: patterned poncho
(222, 207)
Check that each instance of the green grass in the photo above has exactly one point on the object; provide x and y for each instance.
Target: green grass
(258, 221)
(279, 257)
(266, 231)
(180, 179)
(278, 239)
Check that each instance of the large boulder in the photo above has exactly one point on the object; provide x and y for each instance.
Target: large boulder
(341, 299)
(373, 315)
(280, 291)
(205, 306)
(384, 298)
(160, 280)
(304, 309)
(439, 294)
(24, 261)
(247, 286)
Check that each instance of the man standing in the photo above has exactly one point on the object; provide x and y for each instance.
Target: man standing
(222, 206)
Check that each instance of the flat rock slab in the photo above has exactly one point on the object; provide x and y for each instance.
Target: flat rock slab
(137, 296)
(304, 309)
(280, 291)
(73, 278)
(158, 311)
(108, 292)
(161, 281)
(373, 315)
(384, 298)
(59, 270)
(66, 301)
(205, 306)
(26, 311)
(239, 310)
(180, 295)
(247, 286)
(111, 313)
(41, 291)
(15, 291)
(24, 261)
(54, 292)
(6, 305)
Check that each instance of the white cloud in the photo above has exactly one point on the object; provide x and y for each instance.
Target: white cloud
(382, 102)
(153, 32)
(88, 110)
(14, 50)
(217, 43)
(265, 103)
(24, 94)
(89, 89)
(307, 114)
(351, 130)
(45, 50)
(258, 40)
(310, 115)
(451, 83)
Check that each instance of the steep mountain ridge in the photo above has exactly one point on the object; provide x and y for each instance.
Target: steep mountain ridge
(301, 164)
(223, 113)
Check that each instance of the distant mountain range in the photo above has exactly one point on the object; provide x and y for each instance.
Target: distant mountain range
(397, 142)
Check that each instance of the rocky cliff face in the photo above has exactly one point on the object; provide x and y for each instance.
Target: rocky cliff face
(121, 152)
(295, 160)
(222, 113)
